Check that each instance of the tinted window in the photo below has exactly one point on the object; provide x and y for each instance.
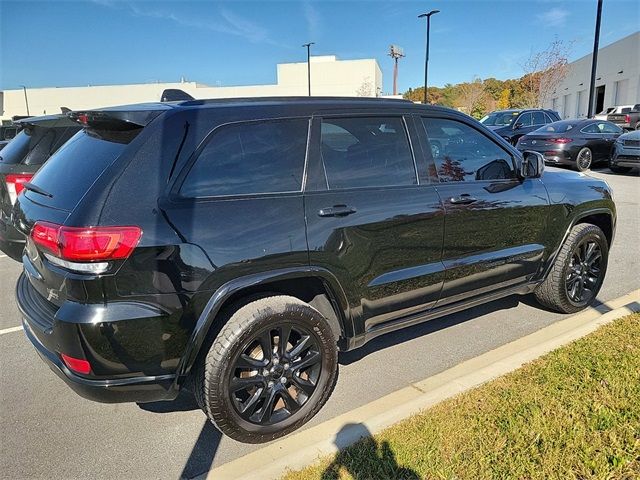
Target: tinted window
(524, 120)
(548, 119)
(538, 118)
(557, 127)
(501, 119)
(76, 165)
(16, 149)
(246, 158)
(366, 152)
(592, 128)
(462, 153)
(609, 128)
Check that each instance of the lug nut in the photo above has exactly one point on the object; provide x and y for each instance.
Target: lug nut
(265, 372)
(286, 365)
(275, 360)
(283, 380)
(270, 384)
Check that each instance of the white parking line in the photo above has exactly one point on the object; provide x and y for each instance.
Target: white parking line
(10, 330)
(2, 255)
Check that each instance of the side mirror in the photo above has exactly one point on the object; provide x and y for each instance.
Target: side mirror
(517, 126)
(532, 164)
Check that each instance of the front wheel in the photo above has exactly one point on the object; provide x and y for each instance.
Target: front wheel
(269, 371)
(584, 159)
(578, 271)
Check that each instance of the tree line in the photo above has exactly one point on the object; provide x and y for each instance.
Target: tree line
(542, 74)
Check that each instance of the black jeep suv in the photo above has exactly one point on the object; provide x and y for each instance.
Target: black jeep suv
(38, 139)
(235, 246)
(513, 124)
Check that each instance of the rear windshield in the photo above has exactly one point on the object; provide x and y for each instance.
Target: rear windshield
(75, 167)
(35, 144)
(557, 127)
(16, 149)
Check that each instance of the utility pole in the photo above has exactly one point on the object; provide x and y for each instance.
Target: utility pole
(396, 53)
(594, 62)
(308, 45)
(26, 100)
(426, 58)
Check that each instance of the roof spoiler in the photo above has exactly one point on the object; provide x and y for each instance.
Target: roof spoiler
(114, 120)
(175, 95)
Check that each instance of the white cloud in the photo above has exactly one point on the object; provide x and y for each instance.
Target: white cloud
(312, 17)
(556, 17)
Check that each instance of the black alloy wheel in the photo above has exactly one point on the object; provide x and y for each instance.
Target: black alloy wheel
(583, 275)
(275, 374)
(270, 369)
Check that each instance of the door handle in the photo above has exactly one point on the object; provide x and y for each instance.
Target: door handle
(336, 211)
(463, 199)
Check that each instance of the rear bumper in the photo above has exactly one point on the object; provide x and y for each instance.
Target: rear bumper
(48, 334)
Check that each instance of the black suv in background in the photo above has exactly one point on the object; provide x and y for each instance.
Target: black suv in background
(235, 246)
(38, 139)
(513, 124)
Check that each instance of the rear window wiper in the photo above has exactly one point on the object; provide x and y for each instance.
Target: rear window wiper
(36, 189)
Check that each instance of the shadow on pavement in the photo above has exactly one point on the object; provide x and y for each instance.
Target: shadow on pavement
(430, 326)
(206, 446)
(368, 460)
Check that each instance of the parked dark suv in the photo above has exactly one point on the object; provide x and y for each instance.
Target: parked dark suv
(235, 246)
(38, 139)
(513, 124)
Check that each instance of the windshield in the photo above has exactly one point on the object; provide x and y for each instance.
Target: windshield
(16, 149)
(557, 127)
(501, 119)
(87, 155)
(607, 111)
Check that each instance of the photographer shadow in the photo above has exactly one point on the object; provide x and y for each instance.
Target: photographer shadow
(370, 460)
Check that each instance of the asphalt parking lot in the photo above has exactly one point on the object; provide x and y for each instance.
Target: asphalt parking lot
(46, 430)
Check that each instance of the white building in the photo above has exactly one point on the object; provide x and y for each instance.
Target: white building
(617, 80)
(329, 77)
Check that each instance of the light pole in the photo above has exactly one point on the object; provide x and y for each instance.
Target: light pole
(308, 45)
(594, 62)
(26, 101)
(426, 58)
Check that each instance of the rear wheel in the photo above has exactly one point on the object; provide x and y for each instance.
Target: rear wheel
(269, 371)
(578, 271)
(584, 159)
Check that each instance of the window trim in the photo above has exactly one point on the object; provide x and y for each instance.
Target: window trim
(401, 115)
(439, 116)
(174, 191)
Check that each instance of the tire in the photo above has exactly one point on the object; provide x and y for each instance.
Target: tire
(584, 159)
(615, 169)
(555, 291)
(239, 373)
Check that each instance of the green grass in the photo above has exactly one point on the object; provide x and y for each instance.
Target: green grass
(572, 414)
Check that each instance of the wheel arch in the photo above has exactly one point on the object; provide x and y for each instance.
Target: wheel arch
(603, 218)
(314, 285)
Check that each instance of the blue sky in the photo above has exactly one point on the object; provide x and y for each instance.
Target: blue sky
(57, 43)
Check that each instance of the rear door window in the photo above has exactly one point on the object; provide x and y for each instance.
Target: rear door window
(538, 118)
(364, 152)
(250, 158)
(524, 120)
(72, 170)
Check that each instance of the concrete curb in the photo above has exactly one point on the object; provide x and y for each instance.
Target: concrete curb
(300, 449)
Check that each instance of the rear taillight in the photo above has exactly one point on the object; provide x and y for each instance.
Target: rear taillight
(15, 184)
(560, 140)
(627, 118)
(68, 245)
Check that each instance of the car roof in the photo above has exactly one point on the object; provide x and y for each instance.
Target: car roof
(316, 102)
